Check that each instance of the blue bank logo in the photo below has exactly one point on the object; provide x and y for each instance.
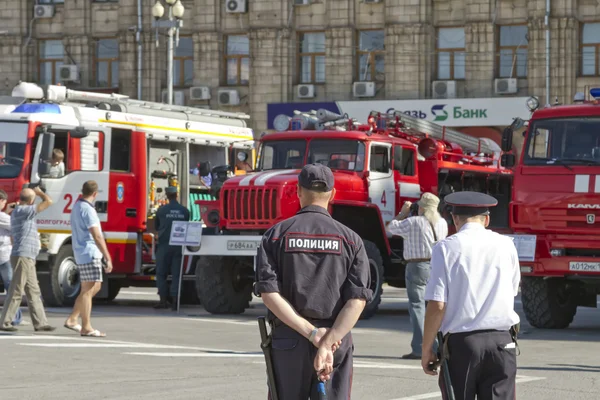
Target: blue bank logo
(439, 112)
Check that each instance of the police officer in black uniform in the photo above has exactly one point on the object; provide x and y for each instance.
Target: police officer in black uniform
(313, 275)
(474, 279)
(168, 258)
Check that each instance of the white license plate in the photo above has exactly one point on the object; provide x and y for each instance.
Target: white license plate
(242, 245)
(584, 266)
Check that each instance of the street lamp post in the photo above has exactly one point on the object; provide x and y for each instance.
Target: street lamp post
(176, 10)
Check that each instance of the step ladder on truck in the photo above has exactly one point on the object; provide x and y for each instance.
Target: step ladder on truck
(378, 165)
(133, 149)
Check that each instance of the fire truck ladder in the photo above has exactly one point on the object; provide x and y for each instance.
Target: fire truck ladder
(122, 103)
(467, 142)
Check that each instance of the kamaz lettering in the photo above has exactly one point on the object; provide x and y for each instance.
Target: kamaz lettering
(585, 206)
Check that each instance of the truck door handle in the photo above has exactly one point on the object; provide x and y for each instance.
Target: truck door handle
(131, 212)
(101, 207)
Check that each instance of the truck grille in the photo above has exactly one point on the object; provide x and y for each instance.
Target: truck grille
(250, 206)
(570, 218)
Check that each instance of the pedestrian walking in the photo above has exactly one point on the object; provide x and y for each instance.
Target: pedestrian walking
(89, 247)
(168, 258)
(26, 247)
(6, 271)
(475, 277)
(313, 275)
(420, 233)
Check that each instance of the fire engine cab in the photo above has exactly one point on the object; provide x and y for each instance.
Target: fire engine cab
(378, 165)
(555, 208)
(133, 150)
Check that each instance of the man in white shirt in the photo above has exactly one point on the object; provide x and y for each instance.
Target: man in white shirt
(420, 233)
(474, 279)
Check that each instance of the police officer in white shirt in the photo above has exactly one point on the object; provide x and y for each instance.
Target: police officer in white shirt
(474, 279)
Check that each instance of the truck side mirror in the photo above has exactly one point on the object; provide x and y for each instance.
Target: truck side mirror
(507, 138)
(507, 160)
(204, 169)
(79, 133)
(47, 139)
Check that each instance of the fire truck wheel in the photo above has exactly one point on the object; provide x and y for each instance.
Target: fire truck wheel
(224, 285)
(547, 303)
(64, 285)
(377, 271)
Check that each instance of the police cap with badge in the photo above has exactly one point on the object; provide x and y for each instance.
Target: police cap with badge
(316, 177)
(469, 204)
(171, 190)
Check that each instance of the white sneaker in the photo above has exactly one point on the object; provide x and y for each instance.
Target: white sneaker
(24, 322)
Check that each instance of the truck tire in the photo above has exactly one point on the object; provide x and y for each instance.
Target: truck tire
(377, 271)
(222, 284)
(62, 286)
(547, 303)
(113, 291)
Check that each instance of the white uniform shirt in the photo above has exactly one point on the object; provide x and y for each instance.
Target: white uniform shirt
(476, 273)
(57, 171)
(418, 235)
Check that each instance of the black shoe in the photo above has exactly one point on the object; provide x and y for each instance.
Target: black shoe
(174, 303)
(411, 356)
(46, 328)
(163, 304)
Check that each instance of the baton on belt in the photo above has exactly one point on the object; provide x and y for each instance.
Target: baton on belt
(265, 345)
(448, 389)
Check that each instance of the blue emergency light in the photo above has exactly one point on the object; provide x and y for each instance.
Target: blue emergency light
(595, 92)
(36, 108)
(296, 125)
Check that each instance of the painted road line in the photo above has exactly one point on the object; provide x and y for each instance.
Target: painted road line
(437, 395)
(367, 364)
(183, 355)
(127, 292)
(104, 343)
(222, 320)
(42, 337)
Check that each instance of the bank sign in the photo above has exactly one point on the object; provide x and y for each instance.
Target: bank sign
(448, 112)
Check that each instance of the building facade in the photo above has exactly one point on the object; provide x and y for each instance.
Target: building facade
(248, 54)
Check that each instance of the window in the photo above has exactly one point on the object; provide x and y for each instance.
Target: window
(564, 141)
(451, 53)
(513, 51)
(119, 150)
(13, 138)
(371, 51)
(284, 154)
(379, 159)
(107, 63)
(50, 58)
(183, 63)
(311, 57)
(237, 59)
(590, 49)
(51, 1)
(346, 155)
(404, 161)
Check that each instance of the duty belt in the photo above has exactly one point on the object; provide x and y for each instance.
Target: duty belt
(419, 260)
(514, 330)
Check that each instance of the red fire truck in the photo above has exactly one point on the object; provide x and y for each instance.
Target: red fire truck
(133, 149)
(555, 208)
(377, 166)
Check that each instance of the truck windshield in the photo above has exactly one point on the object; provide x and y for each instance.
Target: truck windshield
(336, 154)
(563, 141)
(13, 137)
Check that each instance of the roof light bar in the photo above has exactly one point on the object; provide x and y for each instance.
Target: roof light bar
(595, 92)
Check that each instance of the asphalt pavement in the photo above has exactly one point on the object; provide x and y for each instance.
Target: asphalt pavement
(150, 354)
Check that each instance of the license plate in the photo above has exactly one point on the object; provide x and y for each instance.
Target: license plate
(242, 245)
(584, 266)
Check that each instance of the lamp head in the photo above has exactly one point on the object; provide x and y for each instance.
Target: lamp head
(158, 10)
(178, 10)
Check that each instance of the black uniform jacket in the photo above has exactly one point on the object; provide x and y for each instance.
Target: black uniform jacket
(315, 263)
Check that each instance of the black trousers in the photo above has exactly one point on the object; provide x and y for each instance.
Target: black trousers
(293, 364)
(481, 366)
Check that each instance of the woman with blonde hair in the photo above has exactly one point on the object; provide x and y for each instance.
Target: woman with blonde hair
(420, 233)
